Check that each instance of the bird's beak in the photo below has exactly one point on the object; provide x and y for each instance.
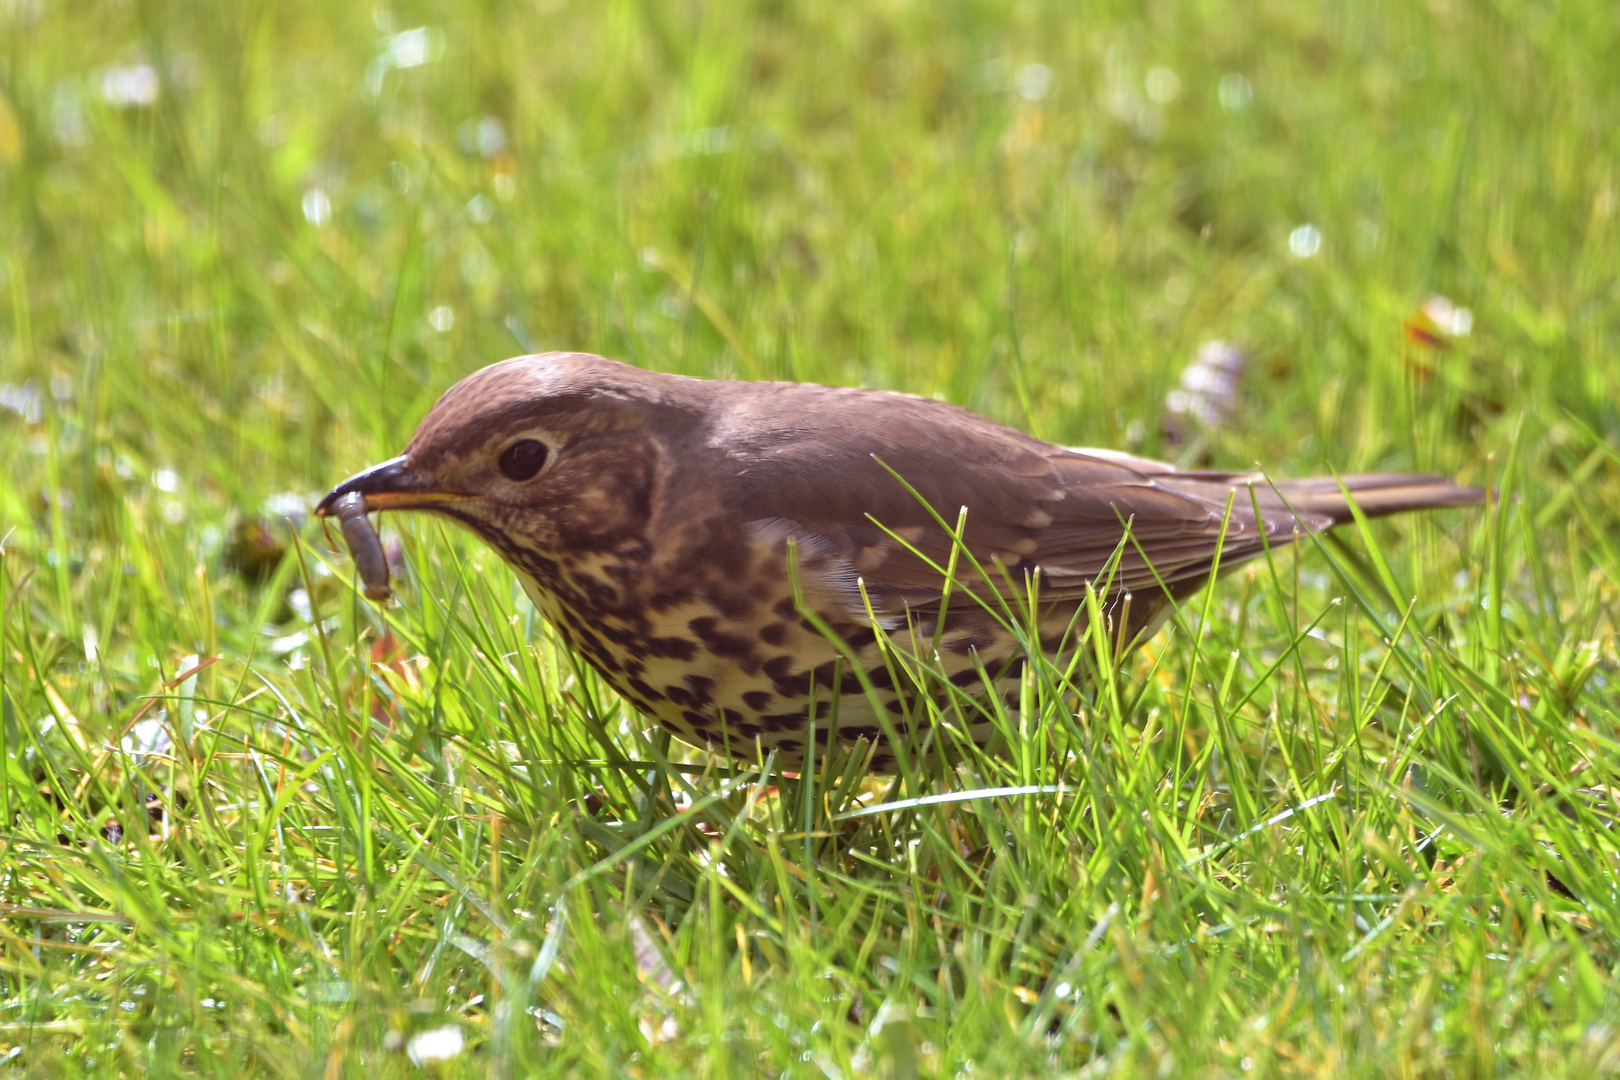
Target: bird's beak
(389, 486)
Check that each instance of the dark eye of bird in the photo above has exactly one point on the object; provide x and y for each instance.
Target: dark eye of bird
(523, 459)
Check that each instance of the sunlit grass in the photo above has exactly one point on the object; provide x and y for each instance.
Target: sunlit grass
(1350, 812)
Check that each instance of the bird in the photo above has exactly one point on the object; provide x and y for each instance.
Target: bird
(734, 558)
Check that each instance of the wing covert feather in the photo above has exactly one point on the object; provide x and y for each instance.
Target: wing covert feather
(831, 468)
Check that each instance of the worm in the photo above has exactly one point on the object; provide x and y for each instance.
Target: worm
(364, 546)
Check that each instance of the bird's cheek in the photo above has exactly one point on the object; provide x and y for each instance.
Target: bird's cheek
(599, 506)
(598, 515)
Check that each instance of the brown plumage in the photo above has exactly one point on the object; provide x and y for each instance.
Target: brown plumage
(650, 517)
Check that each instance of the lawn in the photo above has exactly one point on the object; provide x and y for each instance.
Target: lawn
(1351, 813)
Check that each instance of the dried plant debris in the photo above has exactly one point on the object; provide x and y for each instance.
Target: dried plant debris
(256, 542)
(253, 549)
(1438, 322)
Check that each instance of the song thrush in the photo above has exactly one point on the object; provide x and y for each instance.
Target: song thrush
(652, 519)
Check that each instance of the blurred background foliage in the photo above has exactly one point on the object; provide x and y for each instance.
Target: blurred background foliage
(280, 230)
(244, 246)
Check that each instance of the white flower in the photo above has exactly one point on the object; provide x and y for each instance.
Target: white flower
(440, 1044)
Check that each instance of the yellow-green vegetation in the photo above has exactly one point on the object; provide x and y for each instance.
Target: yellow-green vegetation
(1352, 812)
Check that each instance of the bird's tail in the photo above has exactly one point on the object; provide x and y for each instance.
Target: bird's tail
(1376, 494)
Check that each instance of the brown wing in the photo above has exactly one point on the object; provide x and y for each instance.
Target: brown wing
(831, 462)
(1175, 527)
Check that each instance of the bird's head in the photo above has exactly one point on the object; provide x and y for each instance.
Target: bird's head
(556, 448)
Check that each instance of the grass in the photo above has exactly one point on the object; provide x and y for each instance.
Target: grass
(1351, 813)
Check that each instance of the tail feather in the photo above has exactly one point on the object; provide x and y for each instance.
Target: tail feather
(1375, 494)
